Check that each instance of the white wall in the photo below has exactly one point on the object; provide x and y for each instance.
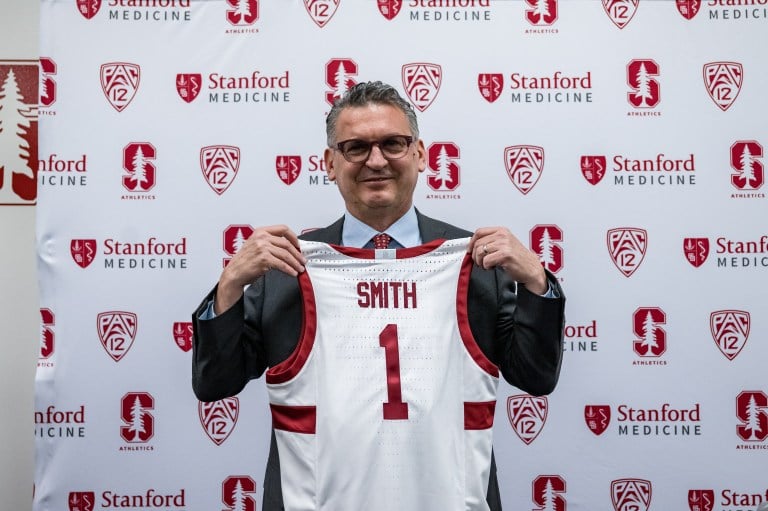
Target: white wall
(19, 307)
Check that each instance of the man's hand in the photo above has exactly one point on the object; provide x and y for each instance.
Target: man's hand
(269, 248)
(496, 246)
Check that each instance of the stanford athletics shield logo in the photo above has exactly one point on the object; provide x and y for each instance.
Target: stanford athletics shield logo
(233, 239)
(219, 418)
(746, 158)
(547, 493)
(182, 335)
(752, 412)
(288, 168)
(688, 8)
(545, 242)
(120, 81)
(81, 500)
(651, 339)
(641, 78)
(701, 500)
(527, 415)
(83, 251)
(88, 8)
(117, 330)
(524, 164)
(339, 77)
(421, 81)
(139, 423)
(541, 12)
(389, 8)
(47, 337)
(239, 493)
(627, 246)
(723, 82)
(219, 164)
(597, 417)
(593, 168)
(696, 250)
(140, 173)
(620, 11)
(443, 166)
(321, 11)
(243, 12)
(47, 83)
(188, 85)
(490, 86)
(730, 330)
(631, 494)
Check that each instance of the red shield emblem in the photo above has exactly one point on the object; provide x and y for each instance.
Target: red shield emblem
(389, 8)
(81, 500)
(321, 11)
(524, 164)
(219, 418)
(490, 86)
(47, 84)
(88, 8)
(646, 90)
(542, 12)
(442, 160)
(597, 417)
(422, 83)
(188, 85)
(652, 339)
(288, 168)
(141, 173)
(746, 161)
(696, 250)
(339, 76)
(593, 168)
(117, 330)
(627, 246)
(120, 81)
(545, 243)
(182, 335)
(631, 494)
(243, 12)
(752, 412)
(83, 251)
(219, 164)
(135, 412)
(701, 500)
(723, 81)
(233, 239)
(620, 11)
(688, 8)
(527, 415)
(730, 330)
(47, 339)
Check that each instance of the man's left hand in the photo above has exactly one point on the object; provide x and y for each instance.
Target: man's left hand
(496, 246)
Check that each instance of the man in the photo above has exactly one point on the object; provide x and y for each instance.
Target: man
(514, 311)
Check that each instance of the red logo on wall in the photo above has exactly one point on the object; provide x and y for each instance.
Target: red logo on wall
(321, 11)
(542, 12)
(88, 8)
(141, 173)
(701, 500)
(593, 168)
(47, 83)
(237, 493)
(421, 82)
(188, 85)
(490, 85)
(547, 493)
(243, 12)
(646, 92)
(730, 330)
(696, 250)
(339, 76)
(120, 81)
(545, 243)
(219, 418)
(620, 11)
(81, 500)
(627, 246)
(597, 417)
(117, 331)
(524, 164)
(47, 338)
(288, 168)
(219, 164)
(389, 8)
(83, 251)
(750, 173)
(723, 82)
(233, 239)
(182, 335)
(652, 340)
(139, 423)
(752, 411)
(688, 8)
(442, 160)
(527, 415)
(631, 494)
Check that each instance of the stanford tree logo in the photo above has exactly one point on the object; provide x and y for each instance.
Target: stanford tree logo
(120, 81)
(627, 247)
(541, 12)
(47, 83)
(117, 331)
(188, 85)
(745, 160)
(696, 250)
(339, 76)
(233, 239)
(421, 82)
(597, 418)
(321, 11)
(141, 173)
(139, 424)
(620, 11)
(182, 335)
(88, 8)
(723, 82)
(524, 164)
(593, 168)
(701, 500)
(219, 418)
(47, 338)
(219, 164)
(631, 494)
(389, 8)
(547, 493)
(442, 160)
(651, 338)
(688, 9)
(490, 86)
(288, 168)
(242, 12)
(527, 415)
(641, 79)
(238, 493)
(730, 330)
(752, 412)
(545, 241)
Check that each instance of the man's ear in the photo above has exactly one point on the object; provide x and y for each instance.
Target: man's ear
(329, 168)
(421, 154)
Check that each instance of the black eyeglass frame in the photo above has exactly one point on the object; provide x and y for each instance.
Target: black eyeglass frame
(408, 141)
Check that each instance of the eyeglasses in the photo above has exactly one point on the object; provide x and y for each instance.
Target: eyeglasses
(392, 148)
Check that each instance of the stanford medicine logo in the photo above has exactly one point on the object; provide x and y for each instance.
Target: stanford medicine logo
(627, 247)
(490, 85)
(651, 339)
(182, 335)
(321, 11)
(723, 82)
(238, 493)
(188, 85)
(730, 330)
(442, 162)
(645, 89)
(47, 83)
(597, 418)
(83, 251)
(233, 239)
(593, 168)
(745, 160)
(541, 12)
(81, 500)
(120, 81)
(389, 8)
(545, 241)
(288, 168)
(89, 9)
(547, 493)
(752, 412)
(527, 415)
(421, 82)
(219, 418)
(47, 336)
(339, 77)
(140, 173)
(219, 164)
(701, 500)
(117, 331)
(139, 424)
(620, 11)
(631, 494)
(688, 9)
(696, 250)
(242, 12)
(524, 164)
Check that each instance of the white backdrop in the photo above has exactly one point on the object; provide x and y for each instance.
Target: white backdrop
(609, 136)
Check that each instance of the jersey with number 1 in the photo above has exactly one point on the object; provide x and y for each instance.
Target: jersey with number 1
(387, 402)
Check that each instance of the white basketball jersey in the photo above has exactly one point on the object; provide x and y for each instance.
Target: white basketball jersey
(387, 402)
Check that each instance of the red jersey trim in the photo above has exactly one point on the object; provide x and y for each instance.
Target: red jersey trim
(296, 419)
(479, 415)
(463, 318)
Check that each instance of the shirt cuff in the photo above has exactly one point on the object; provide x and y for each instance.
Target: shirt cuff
(207, 313)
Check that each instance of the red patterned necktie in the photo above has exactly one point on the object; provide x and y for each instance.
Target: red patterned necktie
(381, 240)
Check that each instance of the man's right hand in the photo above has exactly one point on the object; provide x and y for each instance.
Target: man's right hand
(269, 248)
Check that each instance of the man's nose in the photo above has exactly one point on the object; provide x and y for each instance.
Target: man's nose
(376, 159)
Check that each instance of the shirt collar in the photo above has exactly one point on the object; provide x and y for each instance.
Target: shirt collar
(405, 231)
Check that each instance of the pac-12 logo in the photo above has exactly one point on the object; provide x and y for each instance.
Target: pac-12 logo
(651, 339)
(696, 250)
(631, 494)
(238, 493)
(490, 86)
(723, 82)
(81, 500)
(597, 418)
(620, 11)
(541, 12)
(47, 83)
(141, 173)
(83, 251)
(321, 11)
(547, 493)
(752, 412)
(524, 164)
(421, 81)
(442, 160)
(527, 415)
(182, 335)
(389, 8)
(219, 164)
(593, 168)
(188, 85)
(641, 78)
(688, 8)
(701, 500)
(545, 242)
(117, 331)
(219, 418)
(234, 238)
(139, 424)
(750, 172)
(288, 168)
(88, 8)
(627, 247)
(120, 81)
(339, 77)
(242, 12)
(730, 331)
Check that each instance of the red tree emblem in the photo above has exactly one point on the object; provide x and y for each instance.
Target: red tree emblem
(651, 339)
(545, 242)
(233, 239)
(442, 159)
(243, 12)
(339, 76)
(541, 12)
(746, 161)
(139, 423)
(646, 91)
(47, 338)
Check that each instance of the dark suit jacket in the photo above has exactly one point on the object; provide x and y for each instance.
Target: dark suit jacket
(520, 332)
